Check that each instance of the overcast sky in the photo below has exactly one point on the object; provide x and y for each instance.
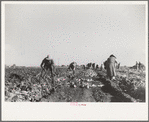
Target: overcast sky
(74, 32)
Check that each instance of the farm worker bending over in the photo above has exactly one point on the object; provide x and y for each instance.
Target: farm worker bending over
(110, 66)
(72, 67)
(83, 67)
(48, 65)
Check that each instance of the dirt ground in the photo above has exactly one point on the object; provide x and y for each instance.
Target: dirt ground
(79, 88)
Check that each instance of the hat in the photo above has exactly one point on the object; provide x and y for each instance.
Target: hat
(112, 56)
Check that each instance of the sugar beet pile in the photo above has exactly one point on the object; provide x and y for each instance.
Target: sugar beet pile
(26, 85)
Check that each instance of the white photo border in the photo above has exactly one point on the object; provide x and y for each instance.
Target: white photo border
(64, 111)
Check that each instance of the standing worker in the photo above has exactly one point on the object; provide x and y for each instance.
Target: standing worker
(137, 65)
(48, 65)
(110, 66)
(102, 67)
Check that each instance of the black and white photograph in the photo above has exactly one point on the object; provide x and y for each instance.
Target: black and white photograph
(76, 54)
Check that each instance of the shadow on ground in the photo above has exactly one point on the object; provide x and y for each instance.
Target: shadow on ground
(116, 93)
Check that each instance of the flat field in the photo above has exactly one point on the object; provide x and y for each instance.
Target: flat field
(26, 85)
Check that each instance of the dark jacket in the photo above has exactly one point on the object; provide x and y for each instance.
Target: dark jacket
(47, 63)
(110, 65)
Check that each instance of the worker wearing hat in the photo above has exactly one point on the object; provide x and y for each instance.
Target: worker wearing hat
(110, 66)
